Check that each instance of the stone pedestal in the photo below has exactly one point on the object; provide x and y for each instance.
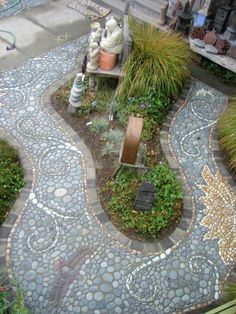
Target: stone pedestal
(75, 94)
(92, 82)
(163, 11)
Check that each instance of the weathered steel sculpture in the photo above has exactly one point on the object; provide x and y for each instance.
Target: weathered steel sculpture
(132, 140)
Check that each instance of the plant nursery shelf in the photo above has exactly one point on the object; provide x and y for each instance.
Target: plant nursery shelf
(224, 61)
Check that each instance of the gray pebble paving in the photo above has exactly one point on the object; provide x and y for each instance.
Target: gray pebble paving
(59, 253)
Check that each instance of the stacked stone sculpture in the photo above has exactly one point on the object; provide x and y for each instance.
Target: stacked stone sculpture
(75, 94)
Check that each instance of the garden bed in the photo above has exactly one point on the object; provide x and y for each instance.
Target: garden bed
(117, 192)
(155, 72)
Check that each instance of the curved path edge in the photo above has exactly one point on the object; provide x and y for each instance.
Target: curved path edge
(20, 203)
(90, 177)
(138, 247)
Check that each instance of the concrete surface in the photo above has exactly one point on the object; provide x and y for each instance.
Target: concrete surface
(37, 30)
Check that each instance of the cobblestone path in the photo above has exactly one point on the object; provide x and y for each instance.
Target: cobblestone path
(60, 254)
(11, 7)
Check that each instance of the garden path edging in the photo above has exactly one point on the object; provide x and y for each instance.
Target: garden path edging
(139, 247)
(15, 212)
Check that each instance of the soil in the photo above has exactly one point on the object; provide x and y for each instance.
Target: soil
(107, 166)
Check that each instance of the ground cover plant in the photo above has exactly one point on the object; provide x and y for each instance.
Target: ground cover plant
(167, 205)
(152, 107)
(226, 127)
(224, 74)
(11, 298)
(11, 178)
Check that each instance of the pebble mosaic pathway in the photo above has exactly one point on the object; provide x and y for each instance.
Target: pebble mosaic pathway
(11, 7)
(59, 253)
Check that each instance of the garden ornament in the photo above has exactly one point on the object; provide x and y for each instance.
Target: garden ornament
(94, 50)
(112, 43)
(75, 94)
(145, 196)
(96, 33)
(132, 140)
(163, 11)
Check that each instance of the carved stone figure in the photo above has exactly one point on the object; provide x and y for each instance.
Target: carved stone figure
(94, 51)
(96, 33)
(112, 43)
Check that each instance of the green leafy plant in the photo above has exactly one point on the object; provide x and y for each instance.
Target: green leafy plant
(158, 60)
(12, 296)
(166, 208)
(11, 178)
(19, 302)
(98, 125)
(4, 303)
(226, 127)
(224, 74)
(152, 107)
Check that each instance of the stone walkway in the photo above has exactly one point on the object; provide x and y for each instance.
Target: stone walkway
(59, 253)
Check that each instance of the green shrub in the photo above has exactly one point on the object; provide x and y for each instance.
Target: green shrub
(11, 178)
(98, 125)
(226, 127)
(158, 60)
(166, 208)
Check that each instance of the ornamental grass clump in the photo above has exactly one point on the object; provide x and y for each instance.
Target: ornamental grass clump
(227, 134)
(158, 60)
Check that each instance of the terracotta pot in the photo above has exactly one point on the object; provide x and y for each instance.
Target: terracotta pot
(107, 61)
